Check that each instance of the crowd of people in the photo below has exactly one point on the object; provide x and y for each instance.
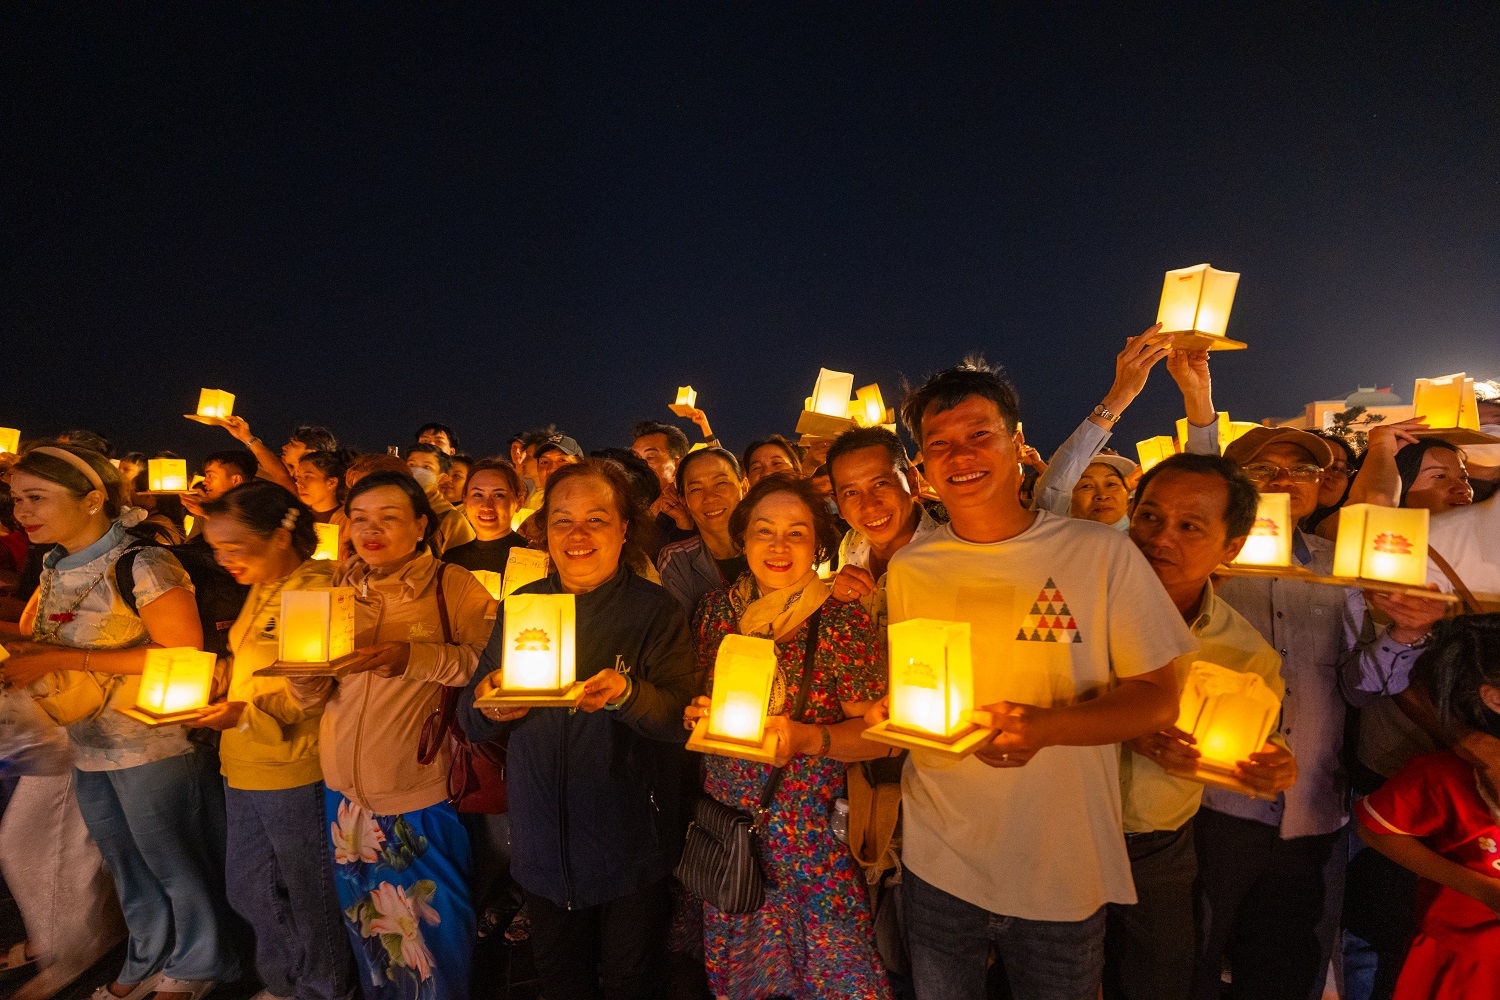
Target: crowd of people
(360, 831)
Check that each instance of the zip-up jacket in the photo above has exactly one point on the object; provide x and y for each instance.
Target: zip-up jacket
(688, 571)
(595, 798)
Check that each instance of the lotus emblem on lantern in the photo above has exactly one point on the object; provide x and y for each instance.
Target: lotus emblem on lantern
(1392, 543)
(533, 640)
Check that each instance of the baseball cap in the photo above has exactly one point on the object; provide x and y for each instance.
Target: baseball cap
(562, 443)
(1257, 439)
(1124, 466)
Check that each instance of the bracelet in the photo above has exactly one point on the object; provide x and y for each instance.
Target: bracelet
(827, 741)
(615, 706)
(86, 653)
(1102, 411)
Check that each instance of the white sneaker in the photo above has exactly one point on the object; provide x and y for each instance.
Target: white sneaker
(139, 990)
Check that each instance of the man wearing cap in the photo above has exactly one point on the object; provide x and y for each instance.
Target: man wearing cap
(554, 453)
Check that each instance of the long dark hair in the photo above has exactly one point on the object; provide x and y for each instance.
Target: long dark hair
(1351, 459)
(420, 505)
(64, 474)
(263, 507)
(333, 465)
(1409, 460)
(1462, 658)
(639, 529)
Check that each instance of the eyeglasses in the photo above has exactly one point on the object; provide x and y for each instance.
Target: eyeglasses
(1269, 473)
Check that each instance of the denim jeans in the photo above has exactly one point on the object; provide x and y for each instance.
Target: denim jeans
(281, 881)
(160, 828)
(950, 943)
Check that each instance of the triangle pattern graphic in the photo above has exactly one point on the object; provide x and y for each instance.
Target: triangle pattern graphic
(1050, 620)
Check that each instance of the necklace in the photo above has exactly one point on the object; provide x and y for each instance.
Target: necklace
(58, 619)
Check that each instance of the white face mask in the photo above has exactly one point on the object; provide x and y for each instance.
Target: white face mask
(426, 477)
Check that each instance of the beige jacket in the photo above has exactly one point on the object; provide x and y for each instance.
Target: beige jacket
(453, 527)
(372, 724)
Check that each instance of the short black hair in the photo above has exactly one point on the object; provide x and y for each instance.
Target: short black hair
(677, 442)
(1461, 658)
(443, 429)
(420, 505)
(1242, 500)
(780, 442)
(868, 437)
(952, 386)
(88, 441)
(539, 435)
(505, 470)
(314, 437)
(236, 459)
(263, 506)
(444, 460)
(643, 481)
(722, 454)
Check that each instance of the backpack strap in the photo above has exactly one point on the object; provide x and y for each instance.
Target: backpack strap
(1474, 607)
(124, 571)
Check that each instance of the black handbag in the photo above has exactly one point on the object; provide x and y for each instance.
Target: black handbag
(720, 861)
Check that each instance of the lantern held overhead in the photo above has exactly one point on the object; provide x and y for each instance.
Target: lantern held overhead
(1451, 408)
(931, 689)
(175, 686)
(213, 405)
(166, 475)
(1195, 304)
(538, 665)
(868, 408)
(744, 671)
(687, 401)
(317, 633)
(1229, 714)
(827, 409)
(1154, 450)
(10, 441)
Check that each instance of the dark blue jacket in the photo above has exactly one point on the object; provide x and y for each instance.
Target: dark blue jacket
(595, 798)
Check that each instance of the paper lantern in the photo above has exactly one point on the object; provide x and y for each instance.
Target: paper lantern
(1154, 450)
(1447, 403)
(317, 632)
(167, 475)
(214, 404)
(1195, 303)
(523, 566)
(1224, 424)
(931, 688)
(1237, 430)
(538, 658)
(826, 412)
(328, 541)
(687, 400)
(1228, 712)
(744, 671)
(1382, 543)
(1270, 539)
(175, 685)
(868, 408)
(491, 581)
(10, 441)
(519, 517)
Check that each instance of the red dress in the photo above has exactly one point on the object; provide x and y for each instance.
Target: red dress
(1456, 952)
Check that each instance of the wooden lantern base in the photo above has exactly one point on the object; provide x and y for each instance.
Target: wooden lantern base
(162, 493)
(569, 697)
(152, 719)
(1192, 340)
(1459, 436)
(822, 425)
(1217, 776)
(701, 742)
(199, 418)
(682, 410)
(957, 746)
(326, 668)
(1357, 583)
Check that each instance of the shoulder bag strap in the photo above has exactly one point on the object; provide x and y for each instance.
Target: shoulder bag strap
(809, 649)
(1458, 584)
(438, 726)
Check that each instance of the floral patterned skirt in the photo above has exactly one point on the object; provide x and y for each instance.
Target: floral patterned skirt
(402, 884)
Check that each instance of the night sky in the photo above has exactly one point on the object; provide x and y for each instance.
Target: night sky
(531, 214)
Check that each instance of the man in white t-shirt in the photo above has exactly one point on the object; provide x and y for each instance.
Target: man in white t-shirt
(1020, 846)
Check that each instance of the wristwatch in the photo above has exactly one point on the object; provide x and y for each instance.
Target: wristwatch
(1102, 411)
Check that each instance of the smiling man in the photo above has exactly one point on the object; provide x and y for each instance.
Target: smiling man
(1192, 513)
(1020, 847)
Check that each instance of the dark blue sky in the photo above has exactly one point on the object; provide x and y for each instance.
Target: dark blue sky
(371, 220)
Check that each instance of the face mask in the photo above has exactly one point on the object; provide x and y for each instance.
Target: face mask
(426, 477)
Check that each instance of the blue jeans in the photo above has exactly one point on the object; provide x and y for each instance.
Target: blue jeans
(281, 882)
(950, 943)
(160, 828)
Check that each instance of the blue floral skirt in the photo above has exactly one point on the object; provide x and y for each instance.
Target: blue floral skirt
(403, 886)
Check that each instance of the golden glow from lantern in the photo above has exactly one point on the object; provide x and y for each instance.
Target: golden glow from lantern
(831, 393)
(1222, 418)
(215, 403)
(491, 581)
(868, 408)
(175, 680)
(538, 652)
(1446, 402)
(167, 475)
(317, 625)
(932, 676)
(523, 566)
(743, 672)
(1197, 300)
(686, 396)
(1237, 430)
(328, 541)
(10, 441)
(519, 517)
(1382, 543)
(1270, 541)
(1154, 450)
(1229, 713)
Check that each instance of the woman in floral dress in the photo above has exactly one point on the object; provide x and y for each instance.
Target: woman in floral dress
(812, 937)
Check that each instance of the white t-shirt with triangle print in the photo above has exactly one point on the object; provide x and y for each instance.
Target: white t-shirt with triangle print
(1058, 613)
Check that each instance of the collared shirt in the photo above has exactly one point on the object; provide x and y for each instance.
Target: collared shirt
(854, 550)
(1154, 799)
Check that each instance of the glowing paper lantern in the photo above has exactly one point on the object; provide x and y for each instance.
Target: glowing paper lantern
(10, 441)
(1270, 540)
(826, 411)
(167, 475)
(490, 581)
(328, 541)
(1237, 430)
(687, 400)
(744, 671)
(1229, 713)
(523, 566)
(214, 404)
(868, 408)
(538, 659)
(317, 632)
(175, 685)
(1154, 450)
(519, 517)
(932, 677)
(1447, 403)
(1195, 304)
(1382, 543)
